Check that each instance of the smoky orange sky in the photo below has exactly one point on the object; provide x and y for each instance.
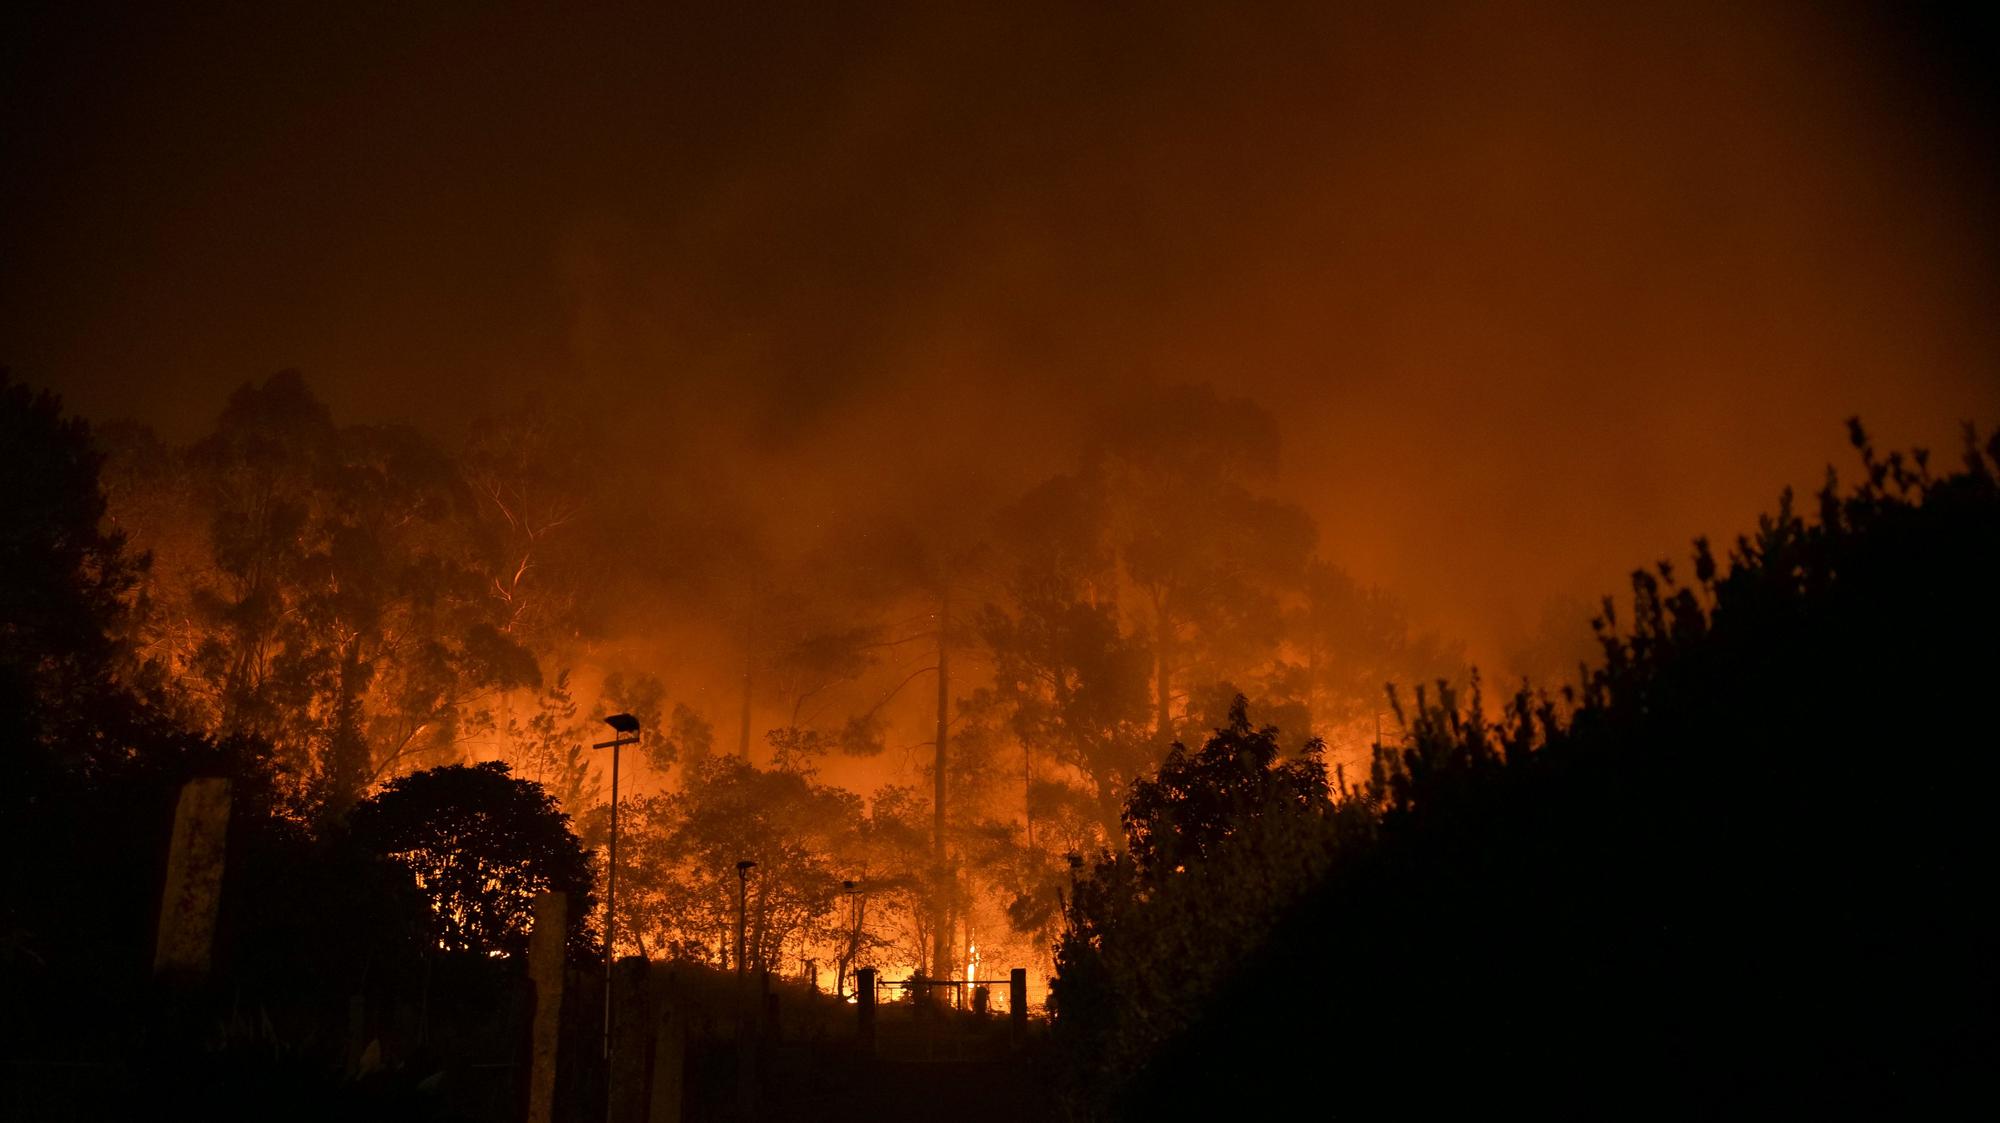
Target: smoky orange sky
(1537, 292)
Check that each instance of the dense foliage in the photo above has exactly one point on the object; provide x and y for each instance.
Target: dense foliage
(1739, 871)
(332, 591)
(1221, 842)
(481, 846)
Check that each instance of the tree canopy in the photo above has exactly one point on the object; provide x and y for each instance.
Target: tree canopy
(481, 846)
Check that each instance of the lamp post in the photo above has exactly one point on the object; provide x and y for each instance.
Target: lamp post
(743, 869)
(627, 729)
(853, 893)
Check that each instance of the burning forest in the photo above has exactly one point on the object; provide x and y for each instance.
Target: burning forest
(907, 563)
(363, 602)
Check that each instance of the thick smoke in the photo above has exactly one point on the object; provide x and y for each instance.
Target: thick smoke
(1535, 295)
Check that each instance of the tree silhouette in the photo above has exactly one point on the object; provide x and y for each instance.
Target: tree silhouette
(481, 846)
(1187, 812)
(63, 579)
(1221, 842)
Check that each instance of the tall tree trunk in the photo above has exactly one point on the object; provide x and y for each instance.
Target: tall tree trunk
(1312, 690)
(1028, 789)
(347, 759)
(749, 680)
(1111, 808)
(941, 949)
(1163, 667)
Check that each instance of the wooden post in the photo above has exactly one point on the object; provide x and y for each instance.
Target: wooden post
(1017, 1005)
(625, 1098)
(864, 994)
(669, 1053)
(546, 972)
(193, 893)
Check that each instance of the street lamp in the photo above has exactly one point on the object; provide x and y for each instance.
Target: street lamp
(853, 893)
(743, 869)
(627, 729)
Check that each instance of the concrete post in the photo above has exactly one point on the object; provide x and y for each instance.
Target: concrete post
(545, 971)
(864, 994)
(625, 1098)
(669, 1053)
(193, 893)
(1017, 1006)
(357, 1032)
(750, 1040)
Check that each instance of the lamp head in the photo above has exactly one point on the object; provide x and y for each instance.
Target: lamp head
(623, 723)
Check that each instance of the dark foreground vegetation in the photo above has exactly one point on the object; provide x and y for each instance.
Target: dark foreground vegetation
(1744, 871)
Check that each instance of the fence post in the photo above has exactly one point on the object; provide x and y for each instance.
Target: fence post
(546, 972)
(1017, 1005)
(864, 993)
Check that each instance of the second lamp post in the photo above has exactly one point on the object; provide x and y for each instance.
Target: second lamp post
(627, 729)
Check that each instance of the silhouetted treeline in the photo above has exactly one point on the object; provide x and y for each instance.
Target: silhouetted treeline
(1743, 870)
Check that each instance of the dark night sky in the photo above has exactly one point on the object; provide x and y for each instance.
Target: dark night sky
(1539, 291)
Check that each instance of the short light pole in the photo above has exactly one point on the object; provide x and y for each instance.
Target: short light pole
(743, 869)
(627, 729)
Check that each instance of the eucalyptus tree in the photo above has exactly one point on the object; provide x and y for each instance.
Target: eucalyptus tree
(338, 605)
(1149, 572)
(1346, 641)
(1205, 554)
